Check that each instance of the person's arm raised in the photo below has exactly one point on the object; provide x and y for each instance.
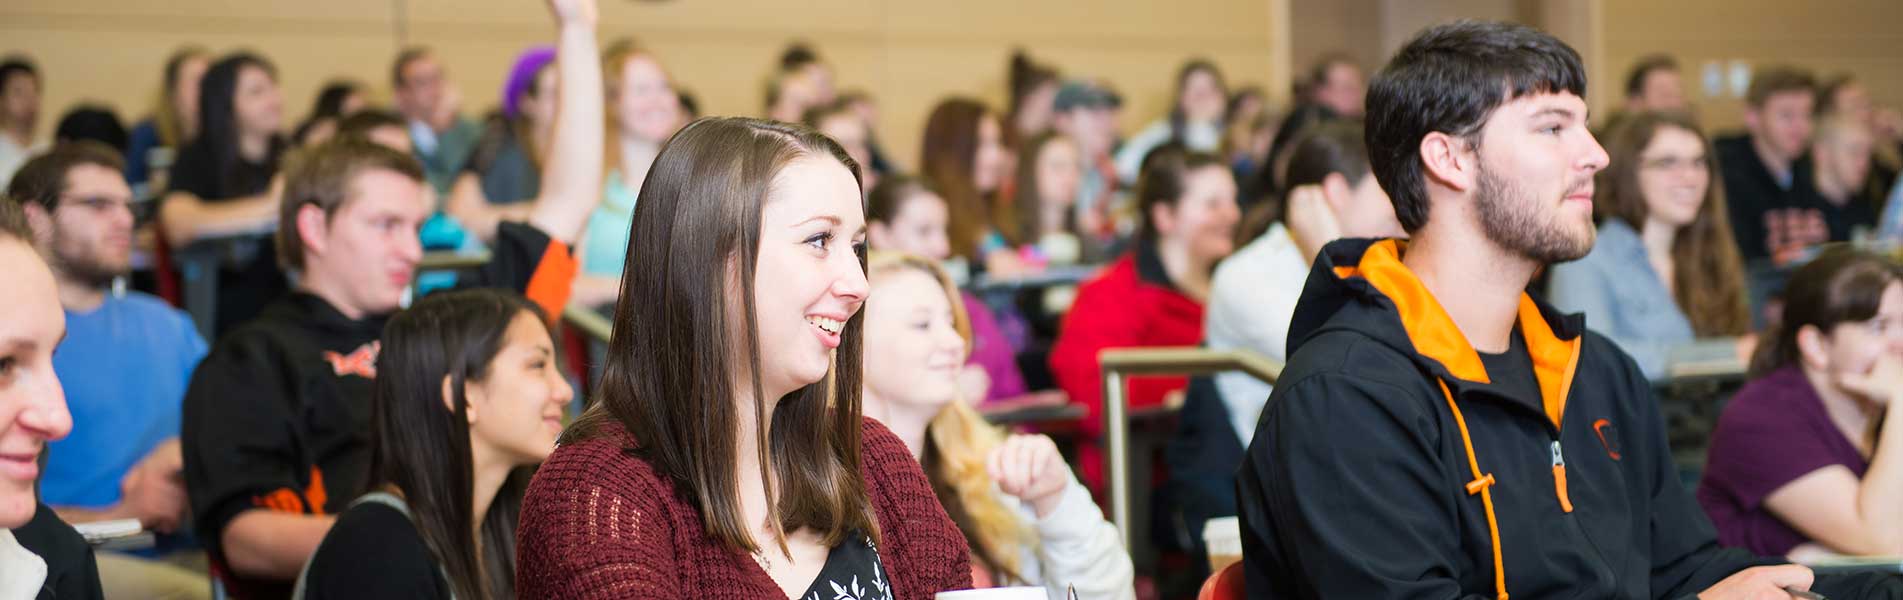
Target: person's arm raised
(571, 175)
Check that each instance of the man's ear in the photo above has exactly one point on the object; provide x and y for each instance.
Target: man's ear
(1449, 160)
(312, 227)
(40, 221)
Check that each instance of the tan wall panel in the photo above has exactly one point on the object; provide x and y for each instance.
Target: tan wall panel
(1830, 36)
(908, 54)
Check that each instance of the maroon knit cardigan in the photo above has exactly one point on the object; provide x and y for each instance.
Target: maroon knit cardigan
(599, 523)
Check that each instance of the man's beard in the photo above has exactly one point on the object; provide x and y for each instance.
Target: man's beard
(85, 269)
(1511, 218)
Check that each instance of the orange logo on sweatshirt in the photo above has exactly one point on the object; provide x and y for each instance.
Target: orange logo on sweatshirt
(310, 501)
(361, 362)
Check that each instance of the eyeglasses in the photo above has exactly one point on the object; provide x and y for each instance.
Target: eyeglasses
(97, 203)
(1675, 163)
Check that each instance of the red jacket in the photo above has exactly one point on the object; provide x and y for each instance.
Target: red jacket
(601, 523)
(1130, 305)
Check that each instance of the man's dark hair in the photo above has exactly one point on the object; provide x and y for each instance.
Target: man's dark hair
(1778, 79)
(92, 122)
(403, 59)
(43, 178)
(17, 65)
(1635, 79)
(1317, 74)
(1450, 78)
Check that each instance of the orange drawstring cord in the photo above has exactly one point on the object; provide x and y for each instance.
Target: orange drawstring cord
(1481, 484)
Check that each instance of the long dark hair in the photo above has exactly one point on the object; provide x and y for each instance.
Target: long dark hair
(1708, 279)
(670, 377)
(1178, 118)
(421, 446)
(218, 123)
(948, 160)
(1842, 285)
(329, 105)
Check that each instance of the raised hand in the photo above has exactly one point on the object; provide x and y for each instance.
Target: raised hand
(1029, 468)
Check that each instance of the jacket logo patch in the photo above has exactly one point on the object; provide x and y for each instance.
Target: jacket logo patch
(1608, 437)
(361, 362)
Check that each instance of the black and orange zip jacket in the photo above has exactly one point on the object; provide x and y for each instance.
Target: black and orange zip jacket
(1387, 465)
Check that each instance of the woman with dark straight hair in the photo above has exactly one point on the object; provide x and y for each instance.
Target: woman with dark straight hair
(1807, 459)
(1041, 218)
(221, 184)
(726, 456)
(963, 157)
(468, 398)
(1664, 272)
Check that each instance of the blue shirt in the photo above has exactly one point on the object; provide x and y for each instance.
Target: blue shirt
(125, 366)
(606, 239)
(1623, 298)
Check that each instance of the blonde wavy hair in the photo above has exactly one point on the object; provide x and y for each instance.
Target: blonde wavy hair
(956, 444)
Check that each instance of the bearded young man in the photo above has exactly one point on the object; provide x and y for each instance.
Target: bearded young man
(1438, 433)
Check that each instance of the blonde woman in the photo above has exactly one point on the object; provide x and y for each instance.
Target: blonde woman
(1027, 518)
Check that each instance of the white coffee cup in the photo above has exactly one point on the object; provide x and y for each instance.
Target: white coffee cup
(1223, 536)
(1005, 593)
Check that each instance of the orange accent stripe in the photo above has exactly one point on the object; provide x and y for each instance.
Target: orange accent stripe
(1428, 326)
(1482, 484)
(1559, 483)
(553, 280)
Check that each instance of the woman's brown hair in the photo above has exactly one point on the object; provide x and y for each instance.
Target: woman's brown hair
(1708, 275)
(172, 130)
(948, 160)
(1842, 285)
(1019, 222)
(672, 374)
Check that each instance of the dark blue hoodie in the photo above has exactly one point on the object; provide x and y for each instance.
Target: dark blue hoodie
(1388, 464)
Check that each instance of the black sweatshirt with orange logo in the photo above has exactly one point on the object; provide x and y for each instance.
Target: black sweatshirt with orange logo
(277, 416)
(1390, 464)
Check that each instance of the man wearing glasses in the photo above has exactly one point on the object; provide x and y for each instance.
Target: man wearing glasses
(125, 363)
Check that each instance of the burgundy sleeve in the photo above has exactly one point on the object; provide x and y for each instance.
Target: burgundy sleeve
(924, 551)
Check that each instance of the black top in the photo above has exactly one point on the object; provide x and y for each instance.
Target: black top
(374, 551)
(1751, 191)
(852, 572)
(509, 175)
(1355, 485)
(1512, 371)
(248, 274)
(71, 573)
(1859, 210)
(277, 415)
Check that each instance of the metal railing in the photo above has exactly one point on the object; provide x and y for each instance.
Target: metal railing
(1120, 363)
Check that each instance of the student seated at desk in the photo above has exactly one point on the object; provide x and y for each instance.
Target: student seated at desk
(1800, 462)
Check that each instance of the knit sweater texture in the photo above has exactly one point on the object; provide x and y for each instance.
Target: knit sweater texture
(600, 522)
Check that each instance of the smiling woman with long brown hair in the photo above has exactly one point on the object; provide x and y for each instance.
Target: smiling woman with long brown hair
(725, 456)
(1664, 271)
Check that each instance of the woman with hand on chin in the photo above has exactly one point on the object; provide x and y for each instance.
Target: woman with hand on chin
(726, 456)
(1026, 517)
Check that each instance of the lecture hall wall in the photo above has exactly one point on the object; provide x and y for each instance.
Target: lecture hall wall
(908, 53)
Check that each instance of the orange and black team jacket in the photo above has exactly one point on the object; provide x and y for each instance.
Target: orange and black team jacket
(1388, 464)
(277, 416)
